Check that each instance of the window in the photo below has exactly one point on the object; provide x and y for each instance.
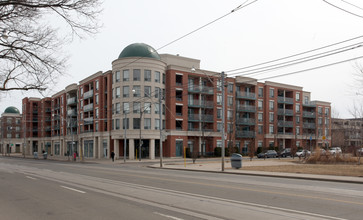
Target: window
(229, 128)
(164, 78)
(125, 121)
(137, 91)
(157, 76)
(219, 143)
(17, 121)
(17, 128)
(326, 121)
(219, 126)
(260, 117)
(96, 99)
(272, 92)
(136, 107)
(271, 129)
(97, 85)
(306, 99)
(271, 117)
(297, 143)
(219, 99)
(156, 105)
(260, 129)
(219, 85)
(297, 108)
(147, 107)
(136, 75)
(219, 113)
(125, 75)
(157, 92)
(96, 126)
(297, 130)
(147, 123)
(136, 123)
(297, 119)
(260, 92)
(230, 115)
(326, 111)
(81, 91)
(260, 104)
(118, 108)
(320, 121)
(147, 75)
(147, 91)
(230, 101)
(118, 92)
(320, 110)
(230, 88)
(298, 96)
(157, 124)
(271, 105)
(326, 132)
(126, 107)
(117, 76)
(126, 92)
(117, 124)
(96, 112)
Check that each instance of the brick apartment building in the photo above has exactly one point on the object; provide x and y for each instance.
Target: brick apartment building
(347, 133)
(11, 131)
(91, 117)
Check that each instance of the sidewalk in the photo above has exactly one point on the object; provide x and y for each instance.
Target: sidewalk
(211, 165)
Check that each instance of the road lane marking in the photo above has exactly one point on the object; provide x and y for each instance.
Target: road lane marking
(29, 177)
(168, 216)
(76, 190)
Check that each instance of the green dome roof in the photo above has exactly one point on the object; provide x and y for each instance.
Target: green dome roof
(139, 50)
(12, 110)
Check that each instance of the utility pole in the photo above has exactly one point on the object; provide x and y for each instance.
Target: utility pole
(24, 128)
(223, 120)
(160, 128)
(140, 134)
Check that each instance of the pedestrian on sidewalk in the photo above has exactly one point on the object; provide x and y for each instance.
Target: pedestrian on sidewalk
(75, 156)
(113, 156)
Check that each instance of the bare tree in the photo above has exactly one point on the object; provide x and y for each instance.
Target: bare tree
(357, 113)
(30, 44)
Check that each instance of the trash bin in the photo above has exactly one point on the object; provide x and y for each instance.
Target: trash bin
(45, 155)
(236, 161)
(35, 155)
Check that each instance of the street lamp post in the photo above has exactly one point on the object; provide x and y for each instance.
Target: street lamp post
(140, 141)
(125, 123)
(160, 128)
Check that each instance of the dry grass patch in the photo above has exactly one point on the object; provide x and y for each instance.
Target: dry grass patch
(322, 169)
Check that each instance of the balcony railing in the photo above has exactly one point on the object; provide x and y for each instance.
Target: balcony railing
(309, 125)
(246, 108)
(194, 88)
(88, 94)
(245, 121)
(289, 124)
(245, 134)
(88, 121)
(202, 117)
(207, 89)
(309, 104)
(207, 118)
(285, 100)
(71, 112)
(71, 101)
(88, 107)
(309, 114)
(288, 112)
(245, 95)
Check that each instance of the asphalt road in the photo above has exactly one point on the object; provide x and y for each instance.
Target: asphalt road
(41, 189)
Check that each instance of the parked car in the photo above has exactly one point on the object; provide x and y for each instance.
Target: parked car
(268, 154)
(303, 153)
(285, 153)
(335, 150)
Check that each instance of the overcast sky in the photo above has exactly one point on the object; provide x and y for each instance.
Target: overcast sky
(263, 31)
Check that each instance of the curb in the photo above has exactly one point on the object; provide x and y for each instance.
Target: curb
(266, 175)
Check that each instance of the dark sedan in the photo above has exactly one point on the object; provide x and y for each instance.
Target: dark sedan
(268, 154)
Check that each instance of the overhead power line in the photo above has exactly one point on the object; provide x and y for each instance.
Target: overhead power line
(349, 12)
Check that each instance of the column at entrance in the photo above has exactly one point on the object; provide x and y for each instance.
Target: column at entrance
(131, 149)
(152, 149)
(116, 148)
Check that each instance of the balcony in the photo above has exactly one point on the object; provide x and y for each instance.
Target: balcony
(309, 125)
(309, 114)
(56, 107)
(72, 101)
(88, 108)
(309, 104)
(246, 108)
(207, 90)
(207, 104)
(48, 110)
(207, 118)
(245, 95)
(193, 117)
(285, 100)
(72, 112)
(194, 103)
(48, 129)
(288, 124)
(193, 129)
(245, 134)
(245, 121)
(194, 88)
(72, 123)
(288, 112)
(88, 94)
(88, 121)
